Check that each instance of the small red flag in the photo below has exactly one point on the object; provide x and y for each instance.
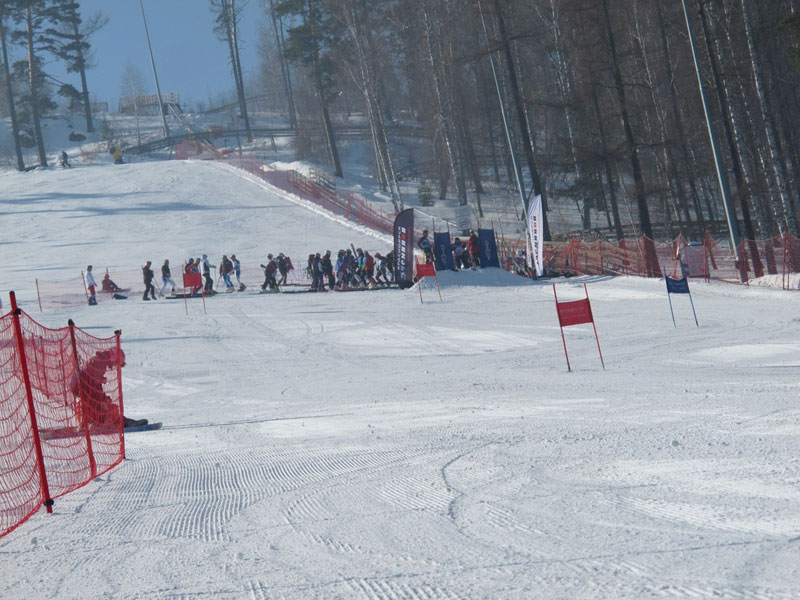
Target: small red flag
(574, 313)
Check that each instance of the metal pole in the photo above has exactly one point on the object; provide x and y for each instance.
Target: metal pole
(671, 312)
(155, 75)
(730, 214)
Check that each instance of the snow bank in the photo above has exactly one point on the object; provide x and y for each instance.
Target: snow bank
(481, 278)
(791, 280)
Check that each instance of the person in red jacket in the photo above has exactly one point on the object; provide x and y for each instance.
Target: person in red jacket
(369, 268)
(97, 407)
(474, 249)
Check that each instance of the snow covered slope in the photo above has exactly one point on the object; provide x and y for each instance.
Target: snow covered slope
(367, 446)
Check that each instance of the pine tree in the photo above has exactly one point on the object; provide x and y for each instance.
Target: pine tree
(309, 44)
(10, 90)
(71, 45)
(36, 20)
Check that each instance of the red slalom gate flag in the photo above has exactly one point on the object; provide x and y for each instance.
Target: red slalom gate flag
(576, 312)
(192, 282)
(427, 270)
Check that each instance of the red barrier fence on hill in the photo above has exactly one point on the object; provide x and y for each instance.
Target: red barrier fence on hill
(778, 256)
(320, 190)
(60, 413)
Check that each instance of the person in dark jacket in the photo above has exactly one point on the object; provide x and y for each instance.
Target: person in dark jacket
(166, 278)
(327, 269)
(225, 269)
(147, 275)
(269, 275)
(316, 273)
(209, 282)
(283, 268)
(424, 244)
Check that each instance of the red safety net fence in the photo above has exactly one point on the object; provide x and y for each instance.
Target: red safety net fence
(60, 413)
(320, 189)
(778, 257)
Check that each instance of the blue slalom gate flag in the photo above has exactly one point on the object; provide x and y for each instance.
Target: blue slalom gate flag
(679, 286)
(488, 248)
(443, 252)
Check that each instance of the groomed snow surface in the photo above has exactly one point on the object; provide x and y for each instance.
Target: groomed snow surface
(364, 445)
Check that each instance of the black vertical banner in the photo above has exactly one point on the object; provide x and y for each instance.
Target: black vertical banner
(404, 248)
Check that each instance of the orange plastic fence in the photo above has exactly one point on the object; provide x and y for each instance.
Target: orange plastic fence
(646, 258)
(60, 413)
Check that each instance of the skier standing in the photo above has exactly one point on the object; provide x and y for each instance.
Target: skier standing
(369, 269)
(327, 269)
(315, 271)
(283, 268)
(65, 160)
(225, 269)
(166, 278)
(209, 283)
(90, 285)
(425, 245)
(269, 275)
(474, 249)
(237, 270)
(147, 276)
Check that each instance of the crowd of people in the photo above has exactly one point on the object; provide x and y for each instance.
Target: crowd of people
(466, 253)
(352, 269)
(349, 270)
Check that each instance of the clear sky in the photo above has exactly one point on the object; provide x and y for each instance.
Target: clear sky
(189, 58)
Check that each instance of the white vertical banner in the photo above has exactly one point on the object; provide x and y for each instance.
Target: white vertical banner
(535, 236)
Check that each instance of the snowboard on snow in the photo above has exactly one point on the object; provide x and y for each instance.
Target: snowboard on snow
(70, 432)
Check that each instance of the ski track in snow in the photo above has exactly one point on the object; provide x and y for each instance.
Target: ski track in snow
(367, 446)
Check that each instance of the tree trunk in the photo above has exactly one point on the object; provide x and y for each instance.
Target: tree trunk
(444, 111)
(330, 136)
(87, 107)
(565, 88)
(11, 108)
(34, 88)
(785, 208)
(522, 119)
(612, 191)
(287, 82)
(651, 262)
(229, 16)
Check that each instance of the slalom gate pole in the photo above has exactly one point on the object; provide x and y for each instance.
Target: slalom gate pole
(438, 287)
(669, 297)
(85, 289)
(597, 339)
(563, 339)
(692, 303)
(419, 288)
(26, 378)
(185, 301)
(203, 295)
(118, 335)
(84, 416)
(38, 295)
